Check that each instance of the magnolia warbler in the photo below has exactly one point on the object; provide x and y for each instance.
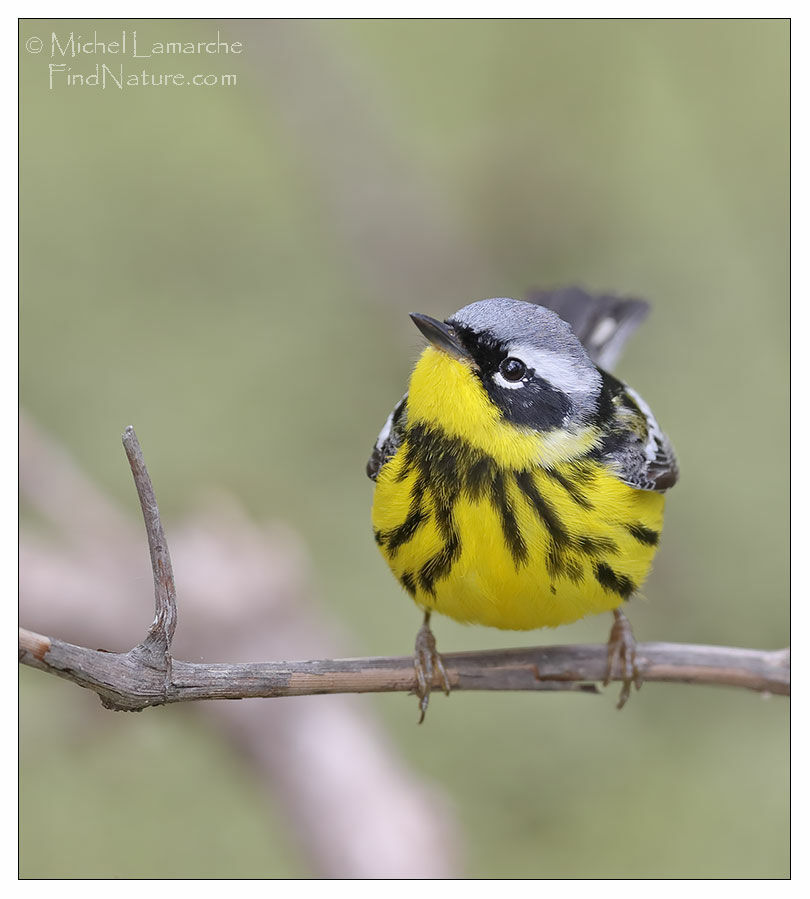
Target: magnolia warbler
(518, 484)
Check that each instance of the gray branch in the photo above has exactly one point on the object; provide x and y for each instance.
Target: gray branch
(147, 675)
(124, 683)
(83, 581)
(157, 645)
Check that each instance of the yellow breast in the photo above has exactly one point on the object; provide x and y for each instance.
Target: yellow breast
(498, 525)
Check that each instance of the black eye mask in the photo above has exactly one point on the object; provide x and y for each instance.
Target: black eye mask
(535, 404)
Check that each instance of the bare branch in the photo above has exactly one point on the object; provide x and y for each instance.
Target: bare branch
(147, 675)
(83, 580)
(122, 684)
(159, 639)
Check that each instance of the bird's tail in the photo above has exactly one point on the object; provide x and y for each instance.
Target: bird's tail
(601, 322)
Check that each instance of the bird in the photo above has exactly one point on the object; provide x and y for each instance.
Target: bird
(519, 484)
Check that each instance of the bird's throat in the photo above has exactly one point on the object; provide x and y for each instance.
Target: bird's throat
(446, 394)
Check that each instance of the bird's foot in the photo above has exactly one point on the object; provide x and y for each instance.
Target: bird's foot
(427, 664)
(621, 649)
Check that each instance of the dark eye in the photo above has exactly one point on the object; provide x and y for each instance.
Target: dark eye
(512, 369)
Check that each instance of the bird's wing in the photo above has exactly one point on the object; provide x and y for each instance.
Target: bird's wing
(389, 439)
(602, 323)
(634, 446)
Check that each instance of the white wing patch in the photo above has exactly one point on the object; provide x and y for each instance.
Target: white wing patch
(385, 433)
(655, 436)
(388, 440)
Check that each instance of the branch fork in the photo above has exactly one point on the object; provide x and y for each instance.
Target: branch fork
(147, 675)
(155, 651)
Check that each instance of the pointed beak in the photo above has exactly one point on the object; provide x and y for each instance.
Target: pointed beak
(442, 336)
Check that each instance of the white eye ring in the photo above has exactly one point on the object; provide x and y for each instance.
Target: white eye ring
(514, 366)
(501, 381)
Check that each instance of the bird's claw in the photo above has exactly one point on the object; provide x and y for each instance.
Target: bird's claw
(621, 649)
(427, 664)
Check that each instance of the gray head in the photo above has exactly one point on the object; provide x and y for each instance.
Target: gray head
(529, 362)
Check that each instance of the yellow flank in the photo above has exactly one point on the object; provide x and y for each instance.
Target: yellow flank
(542, 538)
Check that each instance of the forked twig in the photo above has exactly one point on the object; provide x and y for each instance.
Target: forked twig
(161, 633)
(147, 675)
(124, 685)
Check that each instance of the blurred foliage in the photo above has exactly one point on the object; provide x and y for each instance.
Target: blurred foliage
(229, 270)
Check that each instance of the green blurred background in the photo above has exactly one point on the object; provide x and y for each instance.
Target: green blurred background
(230, 268)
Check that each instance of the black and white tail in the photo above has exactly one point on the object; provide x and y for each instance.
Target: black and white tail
(601, 322)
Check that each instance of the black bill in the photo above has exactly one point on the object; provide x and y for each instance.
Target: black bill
(442, 336)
